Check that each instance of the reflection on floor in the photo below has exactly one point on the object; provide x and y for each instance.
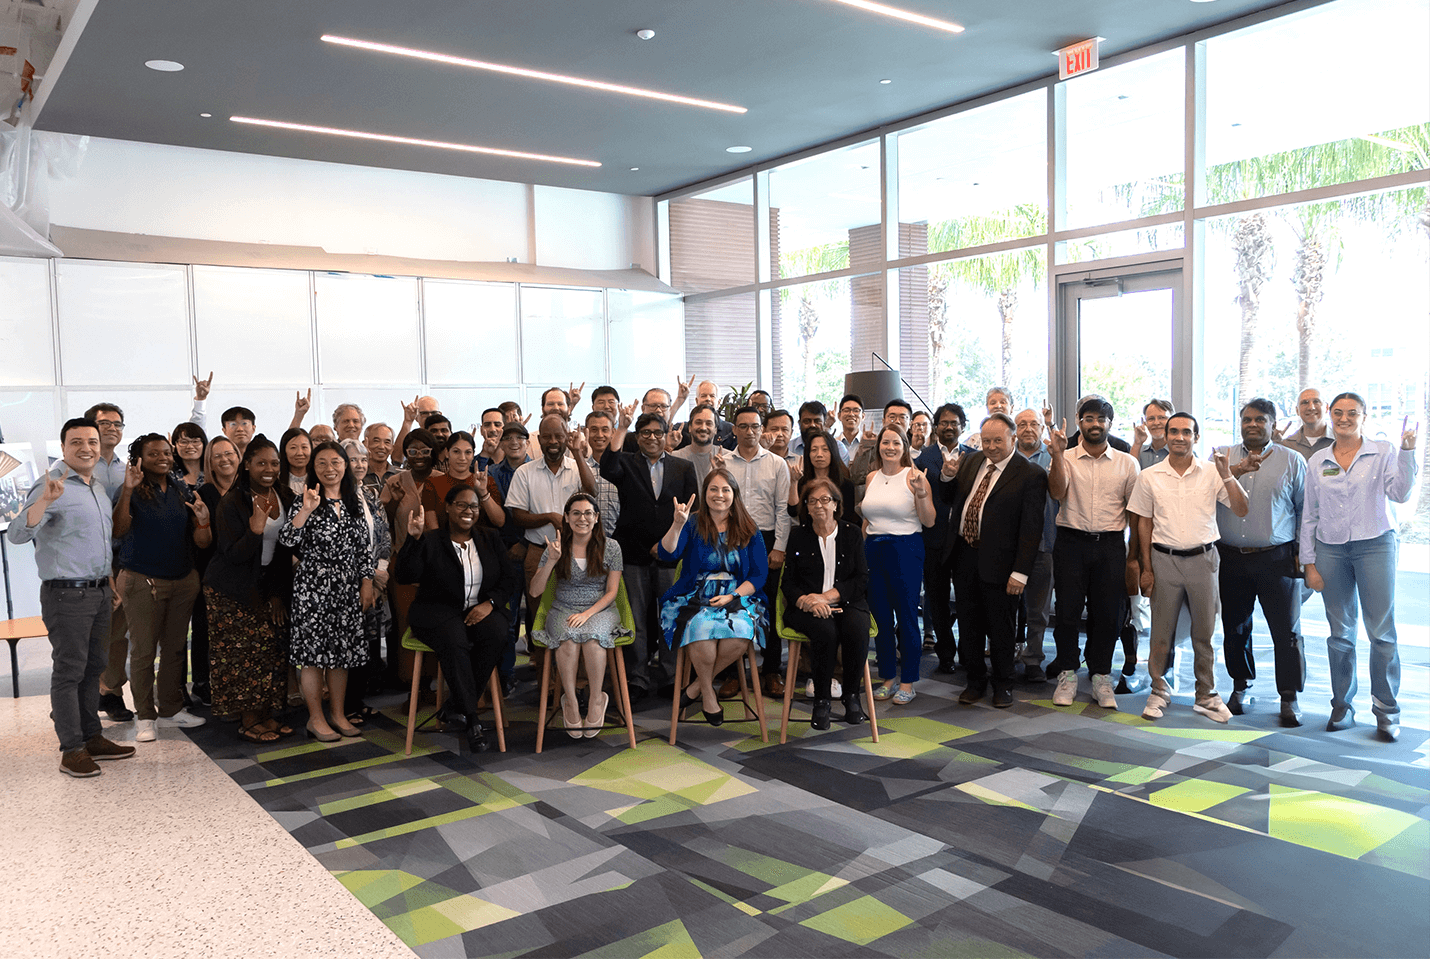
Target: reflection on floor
(966, 831)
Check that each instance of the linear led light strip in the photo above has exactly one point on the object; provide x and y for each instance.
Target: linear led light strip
(524, 72)
(410, 141)
(898, 14)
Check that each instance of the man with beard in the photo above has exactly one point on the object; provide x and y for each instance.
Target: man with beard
(1149, 437)
(812, 417)
(1175, 502)
(1259, 560)
(600, 427)
(949, 421)
(707, 394)
(490, 430)
(1092, 483)
(649, 483)
(702, 441)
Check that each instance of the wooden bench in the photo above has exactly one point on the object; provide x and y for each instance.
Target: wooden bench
(14, 630)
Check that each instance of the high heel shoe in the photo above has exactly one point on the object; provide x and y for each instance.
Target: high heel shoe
(321, 737)
(594, 726)
(686, 701)
(573, 729)
(717, 718)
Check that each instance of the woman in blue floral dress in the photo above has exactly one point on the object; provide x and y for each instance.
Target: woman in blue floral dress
(716, 605)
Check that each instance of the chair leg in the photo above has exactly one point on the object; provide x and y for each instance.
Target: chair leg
(541, 717)
(412, 702)
(495, 691)
(759, 696)
(616, 670)
(681, 666)
(440, 698)
(790, 674)
(869, 699)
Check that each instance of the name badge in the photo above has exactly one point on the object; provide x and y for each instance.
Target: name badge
(1331, 471)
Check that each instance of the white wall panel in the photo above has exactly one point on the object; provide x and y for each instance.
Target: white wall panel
(123, 323)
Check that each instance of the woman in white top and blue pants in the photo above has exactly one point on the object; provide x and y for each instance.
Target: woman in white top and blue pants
(897, 506)
(1349, 547)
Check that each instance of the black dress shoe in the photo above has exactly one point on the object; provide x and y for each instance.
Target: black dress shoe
(477, 738)
(1342, 717)
(854, 709)
(945, 666)
(1388, 732)
(973, 693)
(112, 705)
(1290, 713)
(1002, 698)
(1129, 683)
(1239, 703)
(202, 694)
(637, 693)
(1034, 674)
(820, 718)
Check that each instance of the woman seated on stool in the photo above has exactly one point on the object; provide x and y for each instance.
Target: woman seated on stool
(583, 620)
(716, 606)
(464, 579)
(826, 584)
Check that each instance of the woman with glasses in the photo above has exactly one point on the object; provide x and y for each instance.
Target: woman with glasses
(825, 585)
(190, 443)
(582, 622)
(1350, 548)
(190, 456)
(377, 620)
(897, 505)
(464, 580)
(717, 605)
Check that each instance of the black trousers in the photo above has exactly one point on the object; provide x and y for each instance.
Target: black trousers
(1245, 578)
(938, 580)
(843, 634)
(986, 615)
(468, 654)
(1089, 574)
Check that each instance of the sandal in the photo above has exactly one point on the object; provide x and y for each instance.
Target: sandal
(256, 734)
(884, 691)
(272, 725)
(903, 697)
(360, 716)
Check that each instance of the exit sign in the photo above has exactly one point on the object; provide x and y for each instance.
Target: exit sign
(1078, 59)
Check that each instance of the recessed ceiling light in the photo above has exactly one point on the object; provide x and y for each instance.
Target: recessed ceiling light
(411, 141)
(164, 66)
(886, 81)
(634, 169)
(646, 34)
(896, 13)
(738, 149)
(205, 115)
(528, 73)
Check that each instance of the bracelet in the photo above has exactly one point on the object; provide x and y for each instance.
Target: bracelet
(202, 526)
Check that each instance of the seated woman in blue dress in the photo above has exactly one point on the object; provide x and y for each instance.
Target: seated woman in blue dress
(717, 604)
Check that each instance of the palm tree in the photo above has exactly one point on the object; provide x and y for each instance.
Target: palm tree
(1255, 259)
(811, 261)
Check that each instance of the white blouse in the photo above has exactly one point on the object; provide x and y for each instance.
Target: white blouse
(471, 570)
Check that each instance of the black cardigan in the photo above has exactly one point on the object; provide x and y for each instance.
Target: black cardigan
(236, 568)
(431, 562)
(804, 565)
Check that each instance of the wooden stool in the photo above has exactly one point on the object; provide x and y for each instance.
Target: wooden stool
(793, 636)
(757, 712)
(411, 642)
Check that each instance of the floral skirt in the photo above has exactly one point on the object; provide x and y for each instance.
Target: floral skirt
(691, 619)
(247, 668)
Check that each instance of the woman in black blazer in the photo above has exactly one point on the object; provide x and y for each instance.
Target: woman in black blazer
(464, 581)
(830, 607)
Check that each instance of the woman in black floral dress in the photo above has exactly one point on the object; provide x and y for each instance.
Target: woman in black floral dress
(332, 586)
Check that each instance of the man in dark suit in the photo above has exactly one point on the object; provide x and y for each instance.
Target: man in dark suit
(648, 483)
(949, 421)
(996, 523)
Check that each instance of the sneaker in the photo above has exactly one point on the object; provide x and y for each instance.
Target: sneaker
(1067, 688)
(1157, 701)
(78, 763)
(112, 705)
(809, 689)
(100, 748)
(144, 731)
(1213, 708)
(836, 690)
(183, 719)
(904, 696)
(1102, 691)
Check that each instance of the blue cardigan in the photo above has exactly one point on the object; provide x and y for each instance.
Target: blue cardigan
(695, 555)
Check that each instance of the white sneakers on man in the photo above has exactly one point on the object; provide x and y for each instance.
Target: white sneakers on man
(144, 731)
(1067, 688)
(1102, 691)
(183, 719)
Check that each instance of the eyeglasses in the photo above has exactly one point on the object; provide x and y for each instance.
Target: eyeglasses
(466, 507)
(118, 423)
(747, 426)
(188, 441)
(655, 407)
(820, 501)
(651, 434)
(582, 514)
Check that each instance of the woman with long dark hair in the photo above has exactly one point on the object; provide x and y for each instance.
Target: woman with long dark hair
(332, 586)
(821, 461)
(1350, 546)
(583, 621)
(295, 451)
(247, 590)
(190, 442)
(717, 604)
(158, 521)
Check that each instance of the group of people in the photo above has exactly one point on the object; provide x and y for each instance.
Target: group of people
(297, 566)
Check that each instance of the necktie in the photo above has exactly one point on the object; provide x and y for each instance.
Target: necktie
(975, 506)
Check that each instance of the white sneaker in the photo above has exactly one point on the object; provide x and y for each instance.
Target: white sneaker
(809, 689)
(1067, 688)
(1102, 692)
(1214, 709)
(144, 731)
(1157, 701)
(183, 719)
(836, 691)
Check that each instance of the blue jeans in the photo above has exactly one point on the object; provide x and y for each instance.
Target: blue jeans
(1364, 567)
(78, 623)
(896, 570)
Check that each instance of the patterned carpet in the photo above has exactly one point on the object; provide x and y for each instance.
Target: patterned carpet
(967, 831)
